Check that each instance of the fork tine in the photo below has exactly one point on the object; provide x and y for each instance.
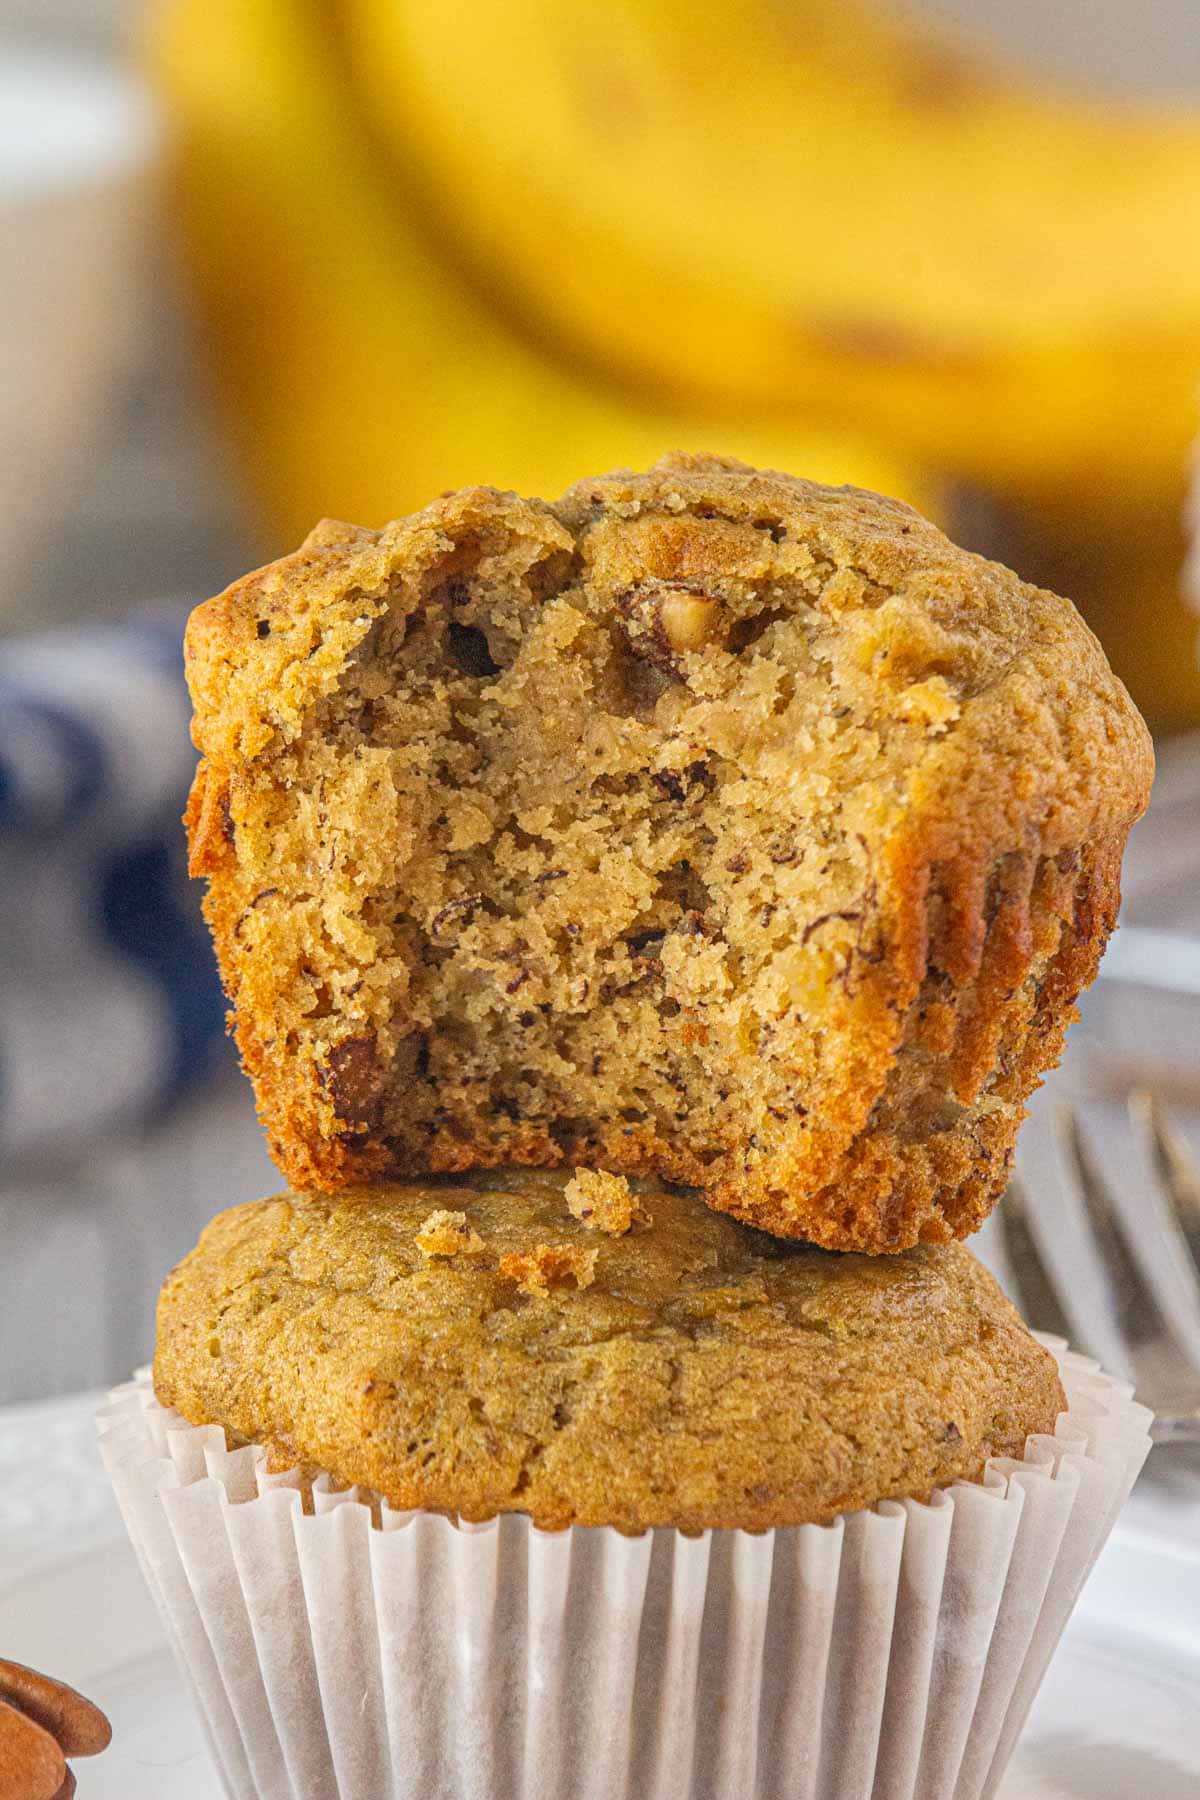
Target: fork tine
(1135, 1305)
(1121, 1146)
(1036, 1297)
(1172, 1160)
(1161, 1365)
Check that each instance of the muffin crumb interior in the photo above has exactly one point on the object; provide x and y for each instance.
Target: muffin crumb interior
(448, 1234)
(548, 1266)
(603, 1202)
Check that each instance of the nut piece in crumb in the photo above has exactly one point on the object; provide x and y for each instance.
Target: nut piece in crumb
(931, 703)
(690, 621)
(448, 1234)
(42, 1722)
(603, 1202)
(549, 1265)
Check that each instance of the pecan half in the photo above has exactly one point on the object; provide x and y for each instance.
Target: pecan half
(42, 1722)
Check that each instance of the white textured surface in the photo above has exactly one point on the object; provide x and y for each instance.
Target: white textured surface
(422, 1659)
(52, 1483)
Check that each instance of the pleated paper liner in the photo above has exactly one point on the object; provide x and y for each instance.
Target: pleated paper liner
(338, 1650)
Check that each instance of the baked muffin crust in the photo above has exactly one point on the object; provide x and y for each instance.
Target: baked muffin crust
(709, 825)
(705, 1375)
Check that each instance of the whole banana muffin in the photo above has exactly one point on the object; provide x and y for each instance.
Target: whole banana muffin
(590, 1356)
(709, 825)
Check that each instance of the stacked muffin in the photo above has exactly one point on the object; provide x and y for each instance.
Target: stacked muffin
(645, 917)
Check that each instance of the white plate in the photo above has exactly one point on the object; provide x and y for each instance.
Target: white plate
(1117, 1718)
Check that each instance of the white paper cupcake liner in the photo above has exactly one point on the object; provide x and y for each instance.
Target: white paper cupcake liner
(354, 1653)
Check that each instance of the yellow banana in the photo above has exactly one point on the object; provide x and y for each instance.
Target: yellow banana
(1150, 634)
(1123, 566)
(785, 203)
(361, 372)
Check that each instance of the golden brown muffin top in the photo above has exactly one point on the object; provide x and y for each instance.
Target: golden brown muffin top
(477, 1348)
(710, 825)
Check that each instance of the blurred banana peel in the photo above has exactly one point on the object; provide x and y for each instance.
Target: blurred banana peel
(1124, 565)
(361, 371)
(511, 242)
(783, 204)
(1140, 614)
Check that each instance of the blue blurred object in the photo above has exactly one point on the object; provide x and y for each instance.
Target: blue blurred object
(110, 1006)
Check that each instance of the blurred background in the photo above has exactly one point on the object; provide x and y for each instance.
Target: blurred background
(267, 260)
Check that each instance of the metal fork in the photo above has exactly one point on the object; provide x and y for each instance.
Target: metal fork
(1118, 1277)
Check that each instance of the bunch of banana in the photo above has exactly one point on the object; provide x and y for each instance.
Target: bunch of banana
(1140, 612)
(1125, 568)
(362, 366)
(774, 205)
(502, 240)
